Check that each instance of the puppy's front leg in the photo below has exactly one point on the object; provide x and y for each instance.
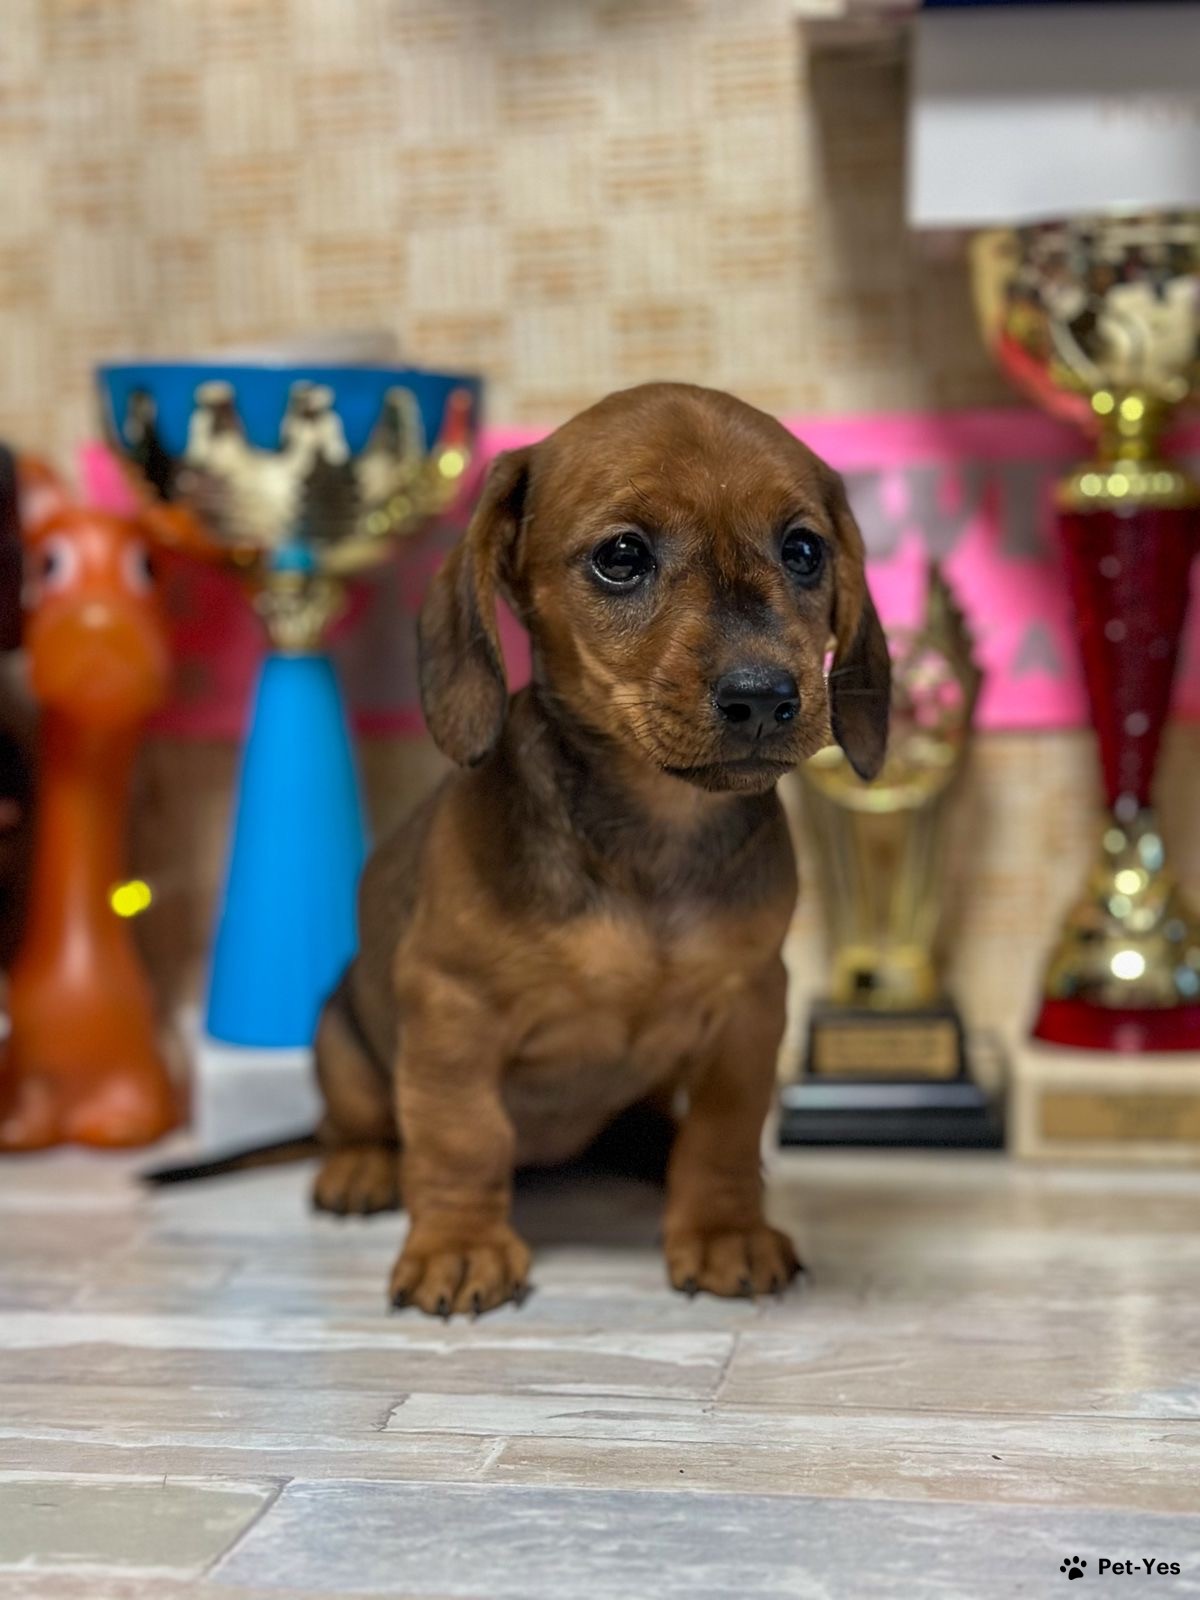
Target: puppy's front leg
(715, 1234)
(458, 1145)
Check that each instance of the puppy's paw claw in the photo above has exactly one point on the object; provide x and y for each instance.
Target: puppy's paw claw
(444, 1277)
(735, 1264)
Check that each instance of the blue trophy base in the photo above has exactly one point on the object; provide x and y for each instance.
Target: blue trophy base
(287, 926)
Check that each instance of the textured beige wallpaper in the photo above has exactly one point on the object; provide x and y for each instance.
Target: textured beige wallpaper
(570, 195)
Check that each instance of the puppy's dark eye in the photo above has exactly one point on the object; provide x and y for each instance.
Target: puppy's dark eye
(622, 561)
(803, 554)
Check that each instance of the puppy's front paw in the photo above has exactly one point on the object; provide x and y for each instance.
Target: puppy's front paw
(442, 1274)
(747, 1262)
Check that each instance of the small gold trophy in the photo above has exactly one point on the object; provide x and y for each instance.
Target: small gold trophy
(886, 1061)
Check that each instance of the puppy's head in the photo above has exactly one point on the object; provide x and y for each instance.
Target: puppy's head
(682, 564)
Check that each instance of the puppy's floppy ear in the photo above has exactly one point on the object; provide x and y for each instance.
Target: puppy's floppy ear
(464, 693)
(860, 682)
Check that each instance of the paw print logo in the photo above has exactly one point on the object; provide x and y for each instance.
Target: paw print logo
(1073, 1567)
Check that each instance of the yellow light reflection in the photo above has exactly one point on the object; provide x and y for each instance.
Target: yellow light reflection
(131, 899)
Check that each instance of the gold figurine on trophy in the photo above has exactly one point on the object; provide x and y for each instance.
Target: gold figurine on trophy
(886, 1060)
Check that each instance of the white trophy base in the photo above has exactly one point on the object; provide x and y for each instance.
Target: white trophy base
(1089, 1105)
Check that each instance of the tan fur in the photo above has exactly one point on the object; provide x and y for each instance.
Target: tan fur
(590, 914)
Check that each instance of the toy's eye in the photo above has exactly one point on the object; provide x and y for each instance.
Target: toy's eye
(623, 561)
(138, 567)
(55, 564)
(803, 554)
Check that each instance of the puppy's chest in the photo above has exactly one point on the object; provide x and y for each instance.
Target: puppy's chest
(619, 1009)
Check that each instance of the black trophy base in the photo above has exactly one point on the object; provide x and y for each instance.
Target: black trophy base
(898, 1080)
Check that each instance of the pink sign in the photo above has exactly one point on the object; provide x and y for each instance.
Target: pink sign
(970, 488)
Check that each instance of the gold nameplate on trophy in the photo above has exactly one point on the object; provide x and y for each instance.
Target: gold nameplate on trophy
(1111, 1118)
(886, 1061)
(892, 1047)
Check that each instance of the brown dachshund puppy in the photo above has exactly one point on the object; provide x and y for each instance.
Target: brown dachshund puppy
(590, 913)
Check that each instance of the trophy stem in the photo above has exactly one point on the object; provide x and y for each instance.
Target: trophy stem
(1126, 972)
(1128, 576)
(297, 606)
(287, 924)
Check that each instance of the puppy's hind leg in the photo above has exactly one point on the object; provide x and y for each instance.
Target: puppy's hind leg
(360, 1173)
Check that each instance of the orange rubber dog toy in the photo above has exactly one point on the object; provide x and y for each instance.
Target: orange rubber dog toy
(83, 1059)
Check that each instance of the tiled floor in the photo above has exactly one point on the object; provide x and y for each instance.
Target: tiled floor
(990, 1369)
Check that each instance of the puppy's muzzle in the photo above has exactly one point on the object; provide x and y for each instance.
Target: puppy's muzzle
(756, 702)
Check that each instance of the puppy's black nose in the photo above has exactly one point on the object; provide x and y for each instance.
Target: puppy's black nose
(757, 700)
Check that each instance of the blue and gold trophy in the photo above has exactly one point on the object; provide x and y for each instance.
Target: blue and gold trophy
(299, 477)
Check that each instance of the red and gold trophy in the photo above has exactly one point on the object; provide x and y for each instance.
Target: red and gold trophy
(1099, 320)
